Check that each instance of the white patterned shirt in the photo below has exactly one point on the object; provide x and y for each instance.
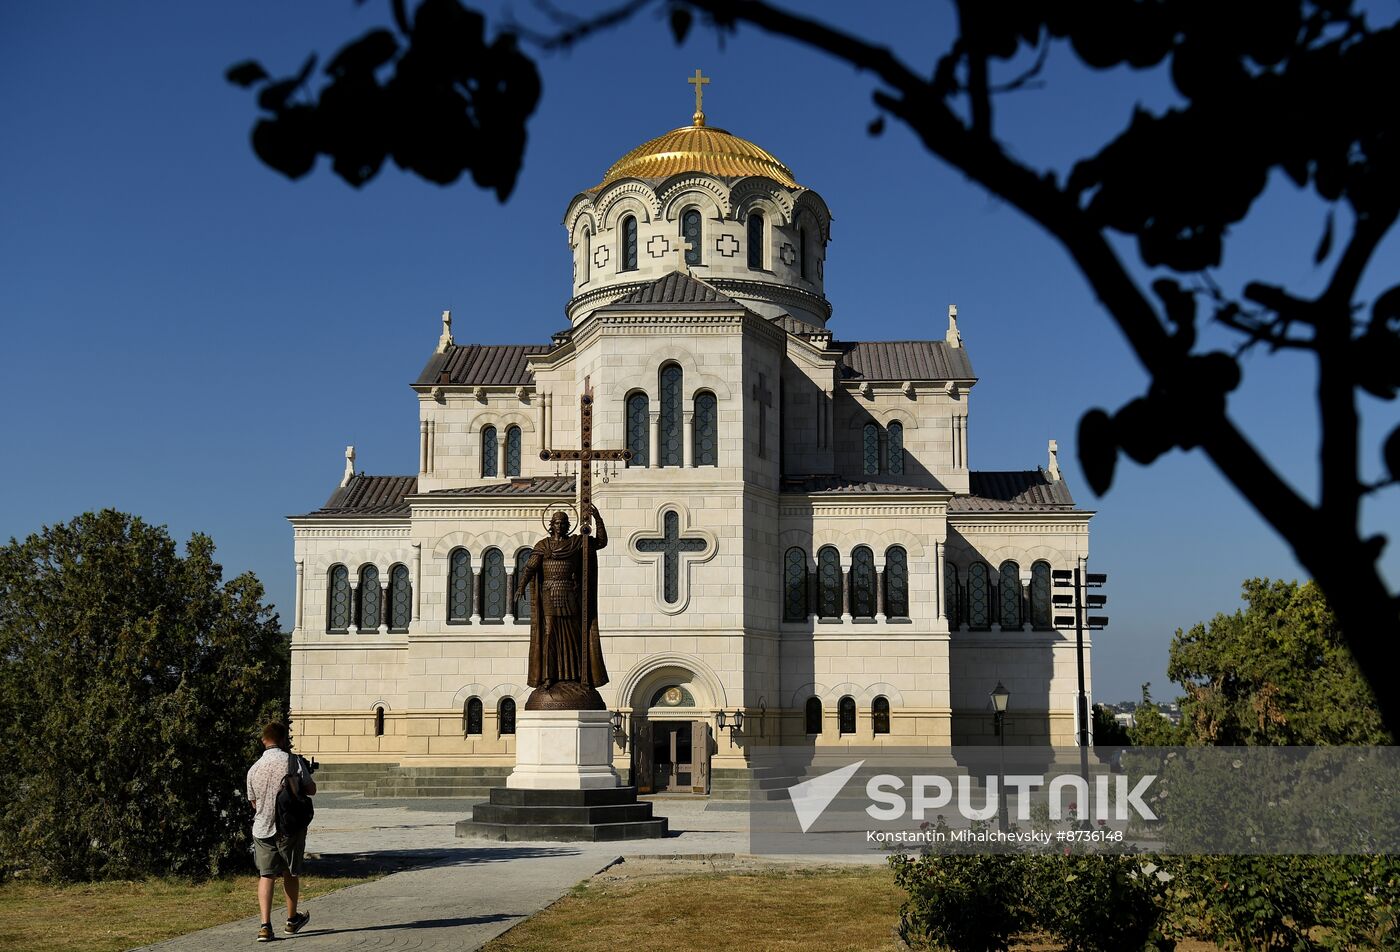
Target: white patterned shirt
(264, 780)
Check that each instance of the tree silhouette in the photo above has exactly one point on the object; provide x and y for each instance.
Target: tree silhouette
(1266, 84)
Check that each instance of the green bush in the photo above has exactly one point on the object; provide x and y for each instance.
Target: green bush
(966, 903)
(133, 681)
(1099, 903)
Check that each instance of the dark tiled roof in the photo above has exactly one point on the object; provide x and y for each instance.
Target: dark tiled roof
(534, 486)
(370, 496)
(481, 364)
(904, 360)
(675, 288)
(840, 484)
(1017, 490)
(793, 326)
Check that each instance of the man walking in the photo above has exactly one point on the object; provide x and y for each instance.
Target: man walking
(276, 855)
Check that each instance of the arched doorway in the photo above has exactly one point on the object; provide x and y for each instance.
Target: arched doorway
(671, 743)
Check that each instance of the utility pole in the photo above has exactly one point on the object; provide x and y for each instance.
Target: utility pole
(1081, 601)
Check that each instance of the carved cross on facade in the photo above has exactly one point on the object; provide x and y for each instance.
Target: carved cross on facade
(671, 545)
(764, 397)
(685, 248)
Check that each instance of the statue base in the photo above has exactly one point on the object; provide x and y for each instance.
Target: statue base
(565, 696)
(563, 750)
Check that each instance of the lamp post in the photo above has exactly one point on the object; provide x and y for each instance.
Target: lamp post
(1000, 698)
(1081, 602)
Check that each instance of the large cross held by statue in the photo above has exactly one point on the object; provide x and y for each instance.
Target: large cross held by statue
(585, 456)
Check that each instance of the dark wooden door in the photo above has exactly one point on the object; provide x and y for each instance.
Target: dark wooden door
(700, 756)
(643, 762)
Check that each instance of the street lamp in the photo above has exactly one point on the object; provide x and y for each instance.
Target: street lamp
(735, 721)
(1000, 698)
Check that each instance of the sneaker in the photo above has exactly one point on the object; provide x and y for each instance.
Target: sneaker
(265, 933)
(295, 923)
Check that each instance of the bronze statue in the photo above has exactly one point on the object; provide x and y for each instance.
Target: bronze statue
(566, 661)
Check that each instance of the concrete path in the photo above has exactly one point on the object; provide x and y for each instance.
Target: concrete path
(461, 893)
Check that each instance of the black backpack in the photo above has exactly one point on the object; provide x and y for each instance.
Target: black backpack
(294, 808)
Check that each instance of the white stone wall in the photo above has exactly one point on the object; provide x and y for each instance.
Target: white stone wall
(935, 432)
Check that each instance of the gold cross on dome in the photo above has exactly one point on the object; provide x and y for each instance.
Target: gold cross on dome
(699, 81)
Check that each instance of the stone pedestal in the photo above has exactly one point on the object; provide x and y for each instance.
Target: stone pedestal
(563, 750)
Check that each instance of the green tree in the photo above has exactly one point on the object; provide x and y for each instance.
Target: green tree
(133, 680)
(1151, 727)
(1277, 672)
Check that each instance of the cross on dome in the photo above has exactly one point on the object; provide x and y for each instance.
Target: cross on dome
(699, 81)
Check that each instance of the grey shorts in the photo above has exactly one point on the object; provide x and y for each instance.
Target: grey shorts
(277, 856)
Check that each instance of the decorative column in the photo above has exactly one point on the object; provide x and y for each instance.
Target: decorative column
(509, 617)
(1025, 601)
(940, 576)
(688, 450)
(879, 589)
(422, 446)
(417, 584)
(547, 405)
(352, 628)
(501, 451)
(654, 439)
(813, 591)
(300, 610)
(846, 581)
(432, 445)
(474, 593)
(384, 608)
(539, 424)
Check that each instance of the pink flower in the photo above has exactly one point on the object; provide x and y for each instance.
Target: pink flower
(1066, 850)
(1103, 823)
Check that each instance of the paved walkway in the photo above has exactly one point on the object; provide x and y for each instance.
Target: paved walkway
(461, 893)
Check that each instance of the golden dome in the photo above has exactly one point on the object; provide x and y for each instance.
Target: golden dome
(698, 148)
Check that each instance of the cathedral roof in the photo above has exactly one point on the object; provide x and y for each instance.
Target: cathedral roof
(817, 485)
(528, 486)
(675, 288)
(370, 496)
(904, 360)
(1013, 491)
(698, 148)
(481, 364)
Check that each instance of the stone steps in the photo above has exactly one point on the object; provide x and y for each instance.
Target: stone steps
(597, 815)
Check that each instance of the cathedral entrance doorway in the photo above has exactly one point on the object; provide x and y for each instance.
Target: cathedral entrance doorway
(672, 756)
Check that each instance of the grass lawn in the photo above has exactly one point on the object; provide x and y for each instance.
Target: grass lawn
(836, 909)
(108, 917)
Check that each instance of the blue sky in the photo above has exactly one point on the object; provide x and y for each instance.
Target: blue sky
(191, 337)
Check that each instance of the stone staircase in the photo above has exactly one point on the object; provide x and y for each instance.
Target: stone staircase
(378, 781)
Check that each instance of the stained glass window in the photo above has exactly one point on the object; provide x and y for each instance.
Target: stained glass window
(493, 596)
(880, 715)
(795, 585)
(951, 594)
(522, 600)
(690, 231)
(862, 583)
(802, 251)
(846, 714)
(1040, 595)
(507, 715)
(338, 599)
(672, 432)
(671, 545)
(587, 255)
(829, 582)
(896, 583)
(706, 425)
(459, 586)
(638, 429)
(629, 243)
(471, 716)
(894, 449)
(371, 605)
(1010, 595)
(979, 596)
(870, 449)
(756, 241)
(488, 451)
(513, 451)
(400, 598)
(814, 715)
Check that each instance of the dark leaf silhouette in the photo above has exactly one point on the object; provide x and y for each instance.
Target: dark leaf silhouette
(1392, 454)
(1098, 453)
(246, 73)
(877, 126)
(1324, 245)
(681, 19)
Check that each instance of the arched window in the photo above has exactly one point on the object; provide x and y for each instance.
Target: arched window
(638, 429)
(1010, 585)
(379, 722)
(1040, 595)
(672, 433)
(870, 449)
(814, 715)
(829, 582)
(493, 585)
(338, 599)
(756, 242)
(795, 585)
(371, 607)
(705, 452)
(400, 598)
(471, 717)
(488, 451)
(629, 243)
(846, 715)
(894, 449)
(802, 253)
(459, 586)
(522, 597)
(952, 594)
(584, 270)
(513, 451)
(880, 715)
(506, 715)
(862, 583)
(979, 596)
(896, 583)
(690, 233)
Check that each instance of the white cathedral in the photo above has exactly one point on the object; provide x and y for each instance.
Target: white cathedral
(798, 537)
